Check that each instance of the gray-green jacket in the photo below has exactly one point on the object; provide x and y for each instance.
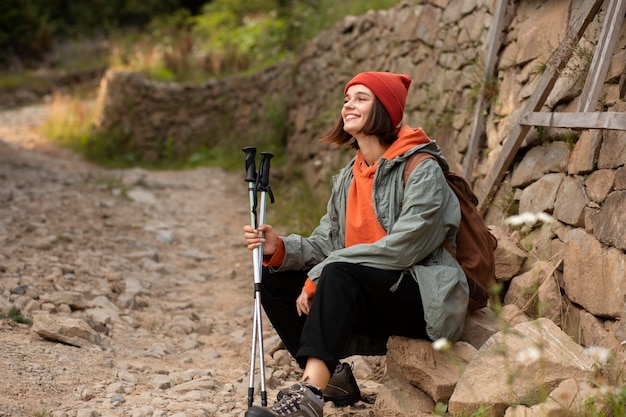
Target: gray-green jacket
(417, 218)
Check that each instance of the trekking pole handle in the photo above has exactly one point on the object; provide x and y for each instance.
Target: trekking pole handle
(264, 169)
(250, 152)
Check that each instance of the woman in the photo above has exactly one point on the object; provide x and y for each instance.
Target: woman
(375, 265)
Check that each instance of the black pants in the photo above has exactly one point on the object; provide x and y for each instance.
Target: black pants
(350, 299)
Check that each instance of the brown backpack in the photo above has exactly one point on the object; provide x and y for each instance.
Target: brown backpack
(475, 244)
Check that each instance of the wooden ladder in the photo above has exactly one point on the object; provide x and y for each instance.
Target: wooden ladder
(584, 118)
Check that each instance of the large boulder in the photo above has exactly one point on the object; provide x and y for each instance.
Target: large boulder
(518, 364)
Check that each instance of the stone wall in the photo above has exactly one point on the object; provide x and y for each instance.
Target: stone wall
(579, 177)
(156, 118)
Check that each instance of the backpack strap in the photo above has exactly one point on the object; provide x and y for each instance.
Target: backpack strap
(413, 161)
(409, 166)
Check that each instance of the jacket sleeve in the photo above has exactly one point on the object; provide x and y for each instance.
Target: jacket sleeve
(430, 213)
(301, 253)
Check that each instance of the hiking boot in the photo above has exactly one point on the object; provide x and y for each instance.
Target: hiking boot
(300, 400)
(342, 388)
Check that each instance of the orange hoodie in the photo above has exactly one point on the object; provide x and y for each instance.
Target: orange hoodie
(362, 226)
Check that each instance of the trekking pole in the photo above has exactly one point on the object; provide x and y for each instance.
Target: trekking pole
(251, 179)
(264, 187)
(257, 182)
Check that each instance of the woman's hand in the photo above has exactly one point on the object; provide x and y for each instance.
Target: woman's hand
(263, 234)
(303, 303)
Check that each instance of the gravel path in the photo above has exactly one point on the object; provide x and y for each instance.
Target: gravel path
(154, 262)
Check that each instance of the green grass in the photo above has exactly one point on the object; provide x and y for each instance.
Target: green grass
(15, 315)
(11, 80)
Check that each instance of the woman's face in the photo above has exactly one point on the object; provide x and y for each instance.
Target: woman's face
(357, 108)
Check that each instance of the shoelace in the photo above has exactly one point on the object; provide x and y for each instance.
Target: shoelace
(289, 404)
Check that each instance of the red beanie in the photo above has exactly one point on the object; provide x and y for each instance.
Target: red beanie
(389, 88)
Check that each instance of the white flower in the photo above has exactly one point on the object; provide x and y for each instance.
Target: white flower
(442, 344)
(528, 356)
(545, 217)
(528, 219)
(521, 219)
(598, 354)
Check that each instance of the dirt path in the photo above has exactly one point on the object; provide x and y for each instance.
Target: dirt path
(158, 264)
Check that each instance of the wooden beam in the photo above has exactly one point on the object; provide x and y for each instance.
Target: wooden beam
(557, 62)
(478, 124)
(590, 120)
(602, 56)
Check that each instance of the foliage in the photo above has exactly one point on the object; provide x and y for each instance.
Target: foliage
(235, 39)
(173, 40)
(229, 36)
(15, 315)
(569, 136)
(68, 120)
(483, 89)
(30, 28)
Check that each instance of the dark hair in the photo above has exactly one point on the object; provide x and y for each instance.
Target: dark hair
(378, 124)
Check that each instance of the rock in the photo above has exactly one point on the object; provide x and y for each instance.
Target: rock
(5, 306)
(74, 299)
(599, 184)
(204, 383)
(513, 315)
(181, 325)
(74, 332)
(610, 221)
(479, 326)
(398, 398)
(533, 42)
(134, 290)
(571, 201)
(508, 255)
(585, 153)
(572, 396)
(540, 196)
(435, 373)
(549, 304)
(593, 274)
(148, 254)
(613, 155)
(524, 288)
(540, 160)
(87, 413)
(160, 382)
(142, 196)
(197, 254)
(540, 243)
(620, 178)
(594, 332)
(514, 364)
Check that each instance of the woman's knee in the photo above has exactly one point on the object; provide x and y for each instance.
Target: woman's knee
(338, 269)
(337, 275)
